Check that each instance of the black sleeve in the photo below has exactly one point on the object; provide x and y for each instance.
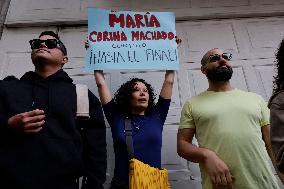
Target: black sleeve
(6, 131)
(162, 107)
(3, 116)
(94, 141)
(110, 111)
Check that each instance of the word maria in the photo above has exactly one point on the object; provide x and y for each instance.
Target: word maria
(134, 21)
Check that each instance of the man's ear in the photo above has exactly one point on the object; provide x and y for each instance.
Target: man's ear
(64, 60)
(203, 70)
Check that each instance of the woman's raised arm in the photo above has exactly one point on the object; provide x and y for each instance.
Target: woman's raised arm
(104, 92)
(167, 88)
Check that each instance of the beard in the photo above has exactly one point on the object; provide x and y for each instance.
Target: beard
(220, 74)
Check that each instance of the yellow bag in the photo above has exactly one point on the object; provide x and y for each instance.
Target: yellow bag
(143, 176)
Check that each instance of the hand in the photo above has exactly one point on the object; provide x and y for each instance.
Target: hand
(98, 71)
(27, 122)
(87, 42)
(99, 74)
(218, 171)
(178, 41)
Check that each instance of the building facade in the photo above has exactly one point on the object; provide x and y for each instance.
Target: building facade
(250, 29)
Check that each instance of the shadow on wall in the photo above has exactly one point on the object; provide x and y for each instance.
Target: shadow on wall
(4, 5)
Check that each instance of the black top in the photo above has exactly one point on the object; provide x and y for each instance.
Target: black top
(59, 153)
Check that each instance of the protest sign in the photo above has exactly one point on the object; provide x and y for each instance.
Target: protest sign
(131, 40)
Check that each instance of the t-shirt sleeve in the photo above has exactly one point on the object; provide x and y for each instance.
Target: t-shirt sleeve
(186, 119)
(162, 107)
(264, 113)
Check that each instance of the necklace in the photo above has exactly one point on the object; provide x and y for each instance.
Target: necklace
(138, 122)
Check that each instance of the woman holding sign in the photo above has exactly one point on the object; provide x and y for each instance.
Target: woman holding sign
(135, 100)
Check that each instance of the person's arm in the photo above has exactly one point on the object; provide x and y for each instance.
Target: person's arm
(217, 170)
(104, 92)
(22, 123)
(94, 145)
(4, 128)
(166, 91)
(265, 130)
(27, 122)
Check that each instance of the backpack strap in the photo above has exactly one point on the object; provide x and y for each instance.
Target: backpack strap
(82, 114)
(82, 102)
(128, 137)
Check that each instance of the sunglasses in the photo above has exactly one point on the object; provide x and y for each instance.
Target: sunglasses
(49, 43)
(217, 57)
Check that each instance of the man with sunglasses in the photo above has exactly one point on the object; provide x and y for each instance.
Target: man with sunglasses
(232, 129)
(42, 143)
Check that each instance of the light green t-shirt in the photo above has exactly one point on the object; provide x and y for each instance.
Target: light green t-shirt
(229, 123)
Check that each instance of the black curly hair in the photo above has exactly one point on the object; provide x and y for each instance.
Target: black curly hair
(278, 83)
(123, 94)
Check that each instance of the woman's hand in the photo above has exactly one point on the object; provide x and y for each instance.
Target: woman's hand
(178, 41)
(87, 42)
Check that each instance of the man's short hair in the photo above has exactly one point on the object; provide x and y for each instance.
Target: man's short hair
(61, 45)
(205, 57)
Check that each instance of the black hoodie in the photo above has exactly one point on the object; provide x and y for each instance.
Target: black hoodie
(64, 149)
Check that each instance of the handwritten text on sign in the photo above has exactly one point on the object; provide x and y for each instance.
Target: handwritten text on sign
(131, 40)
